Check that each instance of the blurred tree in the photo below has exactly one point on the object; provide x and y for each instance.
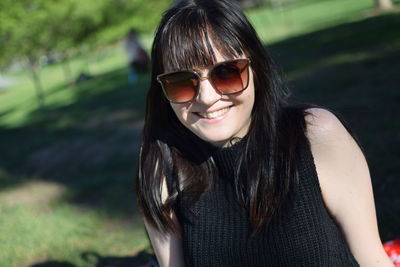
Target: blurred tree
(31, 29)
(270, 3)
(22, 24)
(383, 4)
(250, 3)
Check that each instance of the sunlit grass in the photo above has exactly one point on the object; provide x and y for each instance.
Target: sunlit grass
(305, 16)
(20, 100)
(63, 232)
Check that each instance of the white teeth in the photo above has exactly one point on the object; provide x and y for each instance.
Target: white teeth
(215, 114)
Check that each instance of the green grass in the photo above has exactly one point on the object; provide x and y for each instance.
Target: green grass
(20, 100)
(63, 233)
(306, 16)
(78, 142)
(67, 169)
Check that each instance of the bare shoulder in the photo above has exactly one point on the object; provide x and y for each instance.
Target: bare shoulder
(323, 126)
(345, 185)
(339, 161)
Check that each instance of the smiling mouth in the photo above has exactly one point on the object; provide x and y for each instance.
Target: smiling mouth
(214, 114)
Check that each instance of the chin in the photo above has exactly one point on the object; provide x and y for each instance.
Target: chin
(216, 139)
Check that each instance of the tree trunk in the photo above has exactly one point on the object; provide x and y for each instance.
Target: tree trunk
(250, 3)
(276, 3)
(36, 80)
(67, 70)
(383, 4)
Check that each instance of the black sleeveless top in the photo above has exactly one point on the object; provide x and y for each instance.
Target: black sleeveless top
(216, 230)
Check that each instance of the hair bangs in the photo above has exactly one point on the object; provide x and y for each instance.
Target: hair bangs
(190, 41)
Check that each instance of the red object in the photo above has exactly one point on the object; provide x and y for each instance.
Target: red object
(392, 248)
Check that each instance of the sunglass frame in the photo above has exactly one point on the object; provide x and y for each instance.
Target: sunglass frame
(200, 78)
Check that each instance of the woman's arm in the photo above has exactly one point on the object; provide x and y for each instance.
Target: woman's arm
(346, 186)
(167, 247)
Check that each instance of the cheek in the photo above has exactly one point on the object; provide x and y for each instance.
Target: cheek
(180, 111)
(248, 102)
(249, 106)
(252, 92)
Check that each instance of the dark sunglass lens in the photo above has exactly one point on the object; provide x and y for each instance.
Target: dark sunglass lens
(180, 86)
(230, 77)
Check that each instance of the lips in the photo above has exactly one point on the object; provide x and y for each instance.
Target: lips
(213, 114)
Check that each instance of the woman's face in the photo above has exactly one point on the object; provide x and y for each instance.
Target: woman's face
(214, 117)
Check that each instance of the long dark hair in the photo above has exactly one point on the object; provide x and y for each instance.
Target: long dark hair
(267, 168)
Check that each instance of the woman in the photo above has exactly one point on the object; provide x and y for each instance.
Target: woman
(137, 56)
(229, 173)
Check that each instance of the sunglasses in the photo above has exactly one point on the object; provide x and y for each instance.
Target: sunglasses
(227, 77)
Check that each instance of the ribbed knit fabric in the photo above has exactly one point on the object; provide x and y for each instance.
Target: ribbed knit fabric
(216, 230)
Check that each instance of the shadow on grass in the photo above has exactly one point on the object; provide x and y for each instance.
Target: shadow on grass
(140, 259)
(375, 34)
(54, 264)
(8, 111)
(94, 259)
(354, 70)
(90, 146)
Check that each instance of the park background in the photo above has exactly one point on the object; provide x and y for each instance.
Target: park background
(68, 148)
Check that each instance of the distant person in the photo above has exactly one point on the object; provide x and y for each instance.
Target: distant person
(230, 173)
(5, 83)
(137, 56)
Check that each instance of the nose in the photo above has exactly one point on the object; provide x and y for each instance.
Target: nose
(207, 95)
